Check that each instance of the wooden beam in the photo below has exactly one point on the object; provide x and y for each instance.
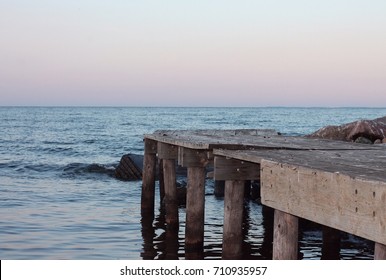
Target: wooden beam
(234, 169)
(285, 236)
(193, 158)
(352, 205)
(166, 151)
(233, 217)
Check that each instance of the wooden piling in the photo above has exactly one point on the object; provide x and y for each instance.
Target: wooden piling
(171, 202)
(161, 180)
(285, 236)
(168, 154)
(148, 178)
(379, 251)
(331, 244)
(195, 205)
(195, 161)
(233, 215)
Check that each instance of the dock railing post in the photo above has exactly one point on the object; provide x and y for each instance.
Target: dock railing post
(148, 178)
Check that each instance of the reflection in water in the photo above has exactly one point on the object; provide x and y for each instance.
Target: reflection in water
(162, 242)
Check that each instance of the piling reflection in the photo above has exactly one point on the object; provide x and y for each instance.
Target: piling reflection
(162, 242)
(148, 234)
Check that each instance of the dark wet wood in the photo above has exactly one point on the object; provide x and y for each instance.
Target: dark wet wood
(170, 200)
(148, 179)
(285, 236)
(233, 217)
(195, 207)
(331, 244)
(380, 251)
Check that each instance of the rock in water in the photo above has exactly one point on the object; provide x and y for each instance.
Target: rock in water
(129, 168)
(370, 129)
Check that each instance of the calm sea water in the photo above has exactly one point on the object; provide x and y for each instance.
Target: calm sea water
(59, 199)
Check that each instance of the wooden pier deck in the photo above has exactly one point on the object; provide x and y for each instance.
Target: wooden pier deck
(337, 184)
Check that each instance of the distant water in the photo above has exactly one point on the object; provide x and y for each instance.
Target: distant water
(59, 199)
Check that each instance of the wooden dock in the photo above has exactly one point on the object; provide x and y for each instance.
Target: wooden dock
(340, 185)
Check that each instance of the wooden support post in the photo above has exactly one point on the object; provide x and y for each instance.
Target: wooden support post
(379, 251)
(168, 154)
(285, 236)
(171, 203)
(331, 244)
(195, 205)
(148, 178)
(195, 161)
(161, 180)
(233, 216)
(267, 223)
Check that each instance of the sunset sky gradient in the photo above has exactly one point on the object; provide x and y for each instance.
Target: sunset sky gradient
(193, 53)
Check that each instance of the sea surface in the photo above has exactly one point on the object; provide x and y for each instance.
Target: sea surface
(59, 198)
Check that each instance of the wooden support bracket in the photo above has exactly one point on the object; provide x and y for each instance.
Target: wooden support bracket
(150, 146)
(167, 151)
(234, 169)
(193, 158)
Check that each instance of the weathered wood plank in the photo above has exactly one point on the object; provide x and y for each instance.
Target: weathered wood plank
(366, 164)
(195, 140)
(233, 216)
(336, 200)
(232, 169)
(285, 236)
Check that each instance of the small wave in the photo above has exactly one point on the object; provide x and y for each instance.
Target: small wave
(56, 149)
(28, 167)
(76, 169)
(47, 142)
(127, 124)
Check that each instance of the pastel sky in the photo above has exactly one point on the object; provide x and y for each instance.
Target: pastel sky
(193, 53)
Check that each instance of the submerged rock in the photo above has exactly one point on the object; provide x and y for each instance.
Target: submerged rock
(130, 167)
(368, 129)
